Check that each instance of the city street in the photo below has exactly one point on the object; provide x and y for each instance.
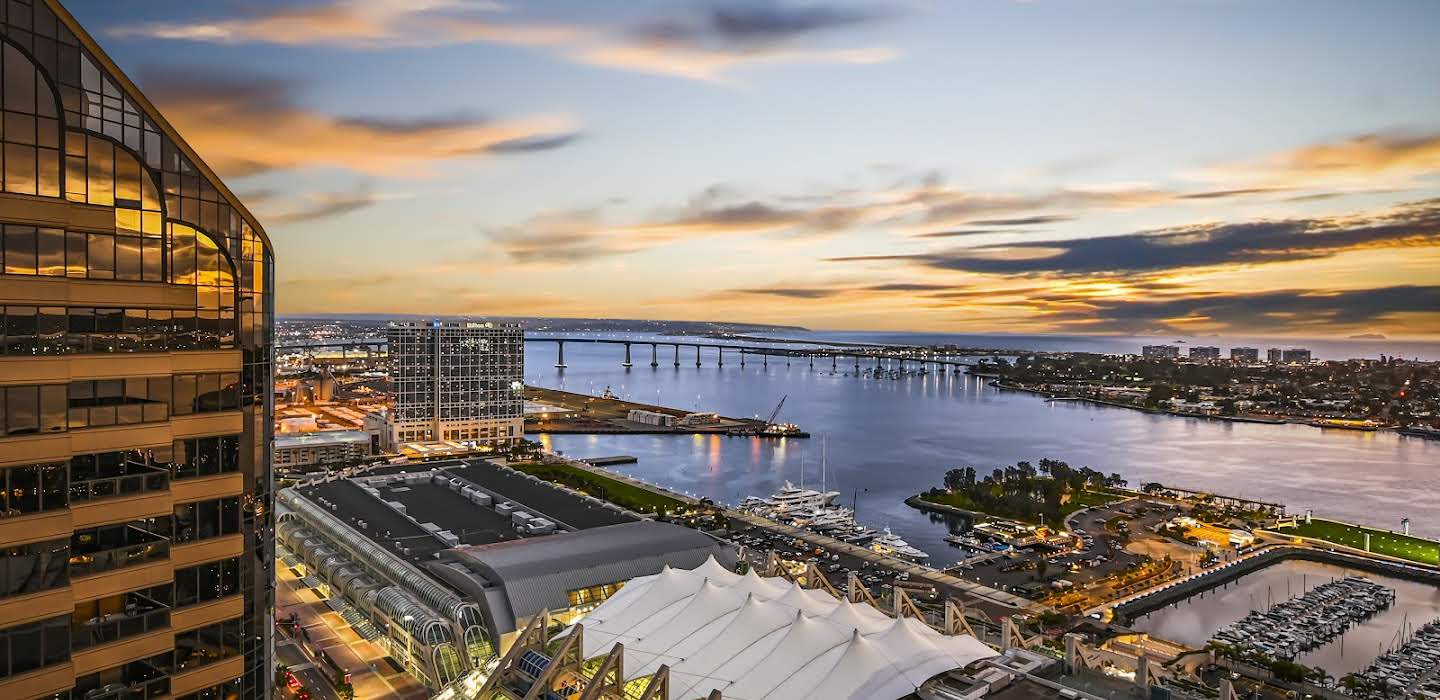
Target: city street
(328, 632)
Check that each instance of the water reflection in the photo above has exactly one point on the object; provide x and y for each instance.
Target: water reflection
(890, 439)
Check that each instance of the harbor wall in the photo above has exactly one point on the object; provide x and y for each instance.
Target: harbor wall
(1128, 611)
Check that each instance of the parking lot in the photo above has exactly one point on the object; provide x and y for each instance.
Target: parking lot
(760, 542)
(1114, 538)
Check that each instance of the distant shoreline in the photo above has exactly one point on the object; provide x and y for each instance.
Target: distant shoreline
(1181, 414)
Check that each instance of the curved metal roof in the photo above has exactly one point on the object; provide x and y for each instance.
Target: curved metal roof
(537, 573)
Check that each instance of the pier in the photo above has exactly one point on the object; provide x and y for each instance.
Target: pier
(1152, 599)
(569, 413)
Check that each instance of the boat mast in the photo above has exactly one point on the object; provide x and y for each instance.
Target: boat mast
(822, 464)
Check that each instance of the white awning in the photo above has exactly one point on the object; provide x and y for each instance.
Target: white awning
(757, 638)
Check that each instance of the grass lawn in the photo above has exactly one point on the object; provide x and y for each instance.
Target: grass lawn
(605, 488)
(1088, 498)
(1381, 542)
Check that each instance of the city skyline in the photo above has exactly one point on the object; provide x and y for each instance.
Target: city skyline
(976, 166)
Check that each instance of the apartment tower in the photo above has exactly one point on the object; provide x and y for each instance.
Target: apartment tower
(135, 368)
(457, 380)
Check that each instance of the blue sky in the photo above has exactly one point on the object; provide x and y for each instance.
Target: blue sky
(835, 164)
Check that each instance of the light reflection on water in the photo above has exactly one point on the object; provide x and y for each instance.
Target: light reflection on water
(889, 439)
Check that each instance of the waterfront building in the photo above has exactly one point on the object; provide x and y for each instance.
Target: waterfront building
(1296, 355)
(1160, 351)
(457, 381)
(1274, 356)
(137, 298)
(319, 450)
(445, 561)
(1204, 352)
(707, 631)
(1245, 354)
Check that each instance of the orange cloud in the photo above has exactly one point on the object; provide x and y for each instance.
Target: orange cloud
(707, 47)
(221, 114)
(1361, 160)
(362, 24)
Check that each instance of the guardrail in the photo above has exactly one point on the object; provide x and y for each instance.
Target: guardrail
(146, 481)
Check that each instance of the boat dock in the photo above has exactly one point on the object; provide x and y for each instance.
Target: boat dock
(1411, 669)
(611, 461)
(1309, 620)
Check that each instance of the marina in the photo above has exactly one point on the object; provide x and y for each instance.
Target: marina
(1193, 621)
(1309, 620)
(816, 511)
(1410, 670)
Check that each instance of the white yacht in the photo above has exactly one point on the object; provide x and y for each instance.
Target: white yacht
(792, 498)
(827, 519)
(891, 544)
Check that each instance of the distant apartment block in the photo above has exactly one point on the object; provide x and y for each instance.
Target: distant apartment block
(1245, 354)
(1274, 355)
(457, 381)
(1296, 355)
(1204, 352)
(315, 451)
(1160, 351)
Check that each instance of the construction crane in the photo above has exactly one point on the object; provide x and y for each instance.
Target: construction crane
(775, 413)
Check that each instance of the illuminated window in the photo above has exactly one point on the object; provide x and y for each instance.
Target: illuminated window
(591, 597)
(31, 128)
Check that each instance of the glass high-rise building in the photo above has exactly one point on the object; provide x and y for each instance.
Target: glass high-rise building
(135, 391)
(457, 380)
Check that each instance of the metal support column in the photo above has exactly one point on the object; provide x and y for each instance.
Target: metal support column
(560, 361)
(654, 355)
(627, 363)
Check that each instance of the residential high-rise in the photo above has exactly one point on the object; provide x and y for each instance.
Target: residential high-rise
(1296, 355)
(1274, 355)
(1245, 354)
(1204, 352)
(457, 380)
(1160, 351)
(135, 364)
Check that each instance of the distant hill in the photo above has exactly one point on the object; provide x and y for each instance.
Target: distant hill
(540, 323)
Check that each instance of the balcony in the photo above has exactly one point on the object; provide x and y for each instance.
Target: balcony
(128, 479)
(136, 680)
(139, 613)
(115, 547)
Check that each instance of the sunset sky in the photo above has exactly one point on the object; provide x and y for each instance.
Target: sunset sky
(1265, 167)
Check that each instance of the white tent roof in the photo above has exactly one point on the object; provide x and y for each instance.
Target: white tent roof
(757, 638)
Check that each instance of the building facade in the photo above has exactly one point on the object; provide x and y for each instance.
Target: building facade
(319, 450)
(135, 363)
(1245, 354)
(1160, 351)
(457, 380)
(1274, 355)
(1204, 352)
(1296, 355)
(445, 562)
